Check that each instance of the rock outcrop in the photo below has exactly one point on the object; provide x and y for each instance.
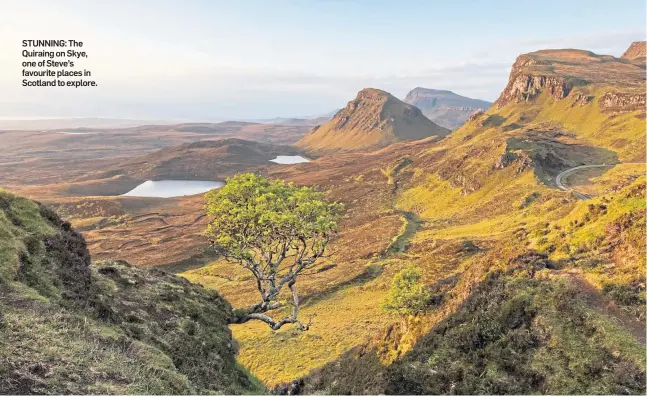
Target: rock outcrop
(637, 49)
(445, 108)
(475, 116)
(373, 120)
(524, 85)
(564, 73)
(620, 102)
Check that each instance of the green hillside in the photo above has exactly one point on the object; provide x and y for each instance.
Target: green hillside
(69, 326)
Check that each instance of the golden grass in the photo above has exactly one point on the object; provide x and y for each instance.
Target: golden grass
(623, 133)
(345, 319)
(341, 319)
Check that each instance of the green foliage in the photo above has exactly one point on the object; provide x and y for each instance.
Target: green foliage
(605, 237)
(251, 214)
(625, 294)
(408, 294)
(273, 229)
(518, 332)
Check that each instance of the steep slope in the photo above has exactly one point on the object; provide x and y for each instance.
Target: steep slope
(637, 49)
(521, 330)
(67, 326)
(445, 108)
(373, 120)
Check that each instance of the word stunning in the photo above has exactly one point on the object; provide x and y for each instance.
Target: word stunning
(51, 43)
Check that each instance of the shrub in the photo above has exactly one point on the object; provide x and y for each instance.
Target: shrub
(408, 295)
(624, 294)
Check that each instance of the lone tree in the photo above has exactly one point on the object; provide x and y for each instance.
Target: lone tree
(273, 229)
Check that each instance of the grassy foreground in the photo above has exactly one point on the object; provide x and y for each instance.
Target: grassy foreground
(70, 327)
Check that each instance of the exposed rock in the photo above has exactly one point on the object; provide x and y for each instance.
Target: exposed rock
(637, 49)
(475, 116)
(505, 159)
(612, 101)
(524, 84)
(526, 87)
(509, 158)
(581, 100)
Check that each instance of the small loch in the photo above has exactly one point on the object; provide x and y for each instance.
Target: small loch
(172, 188)
(289, 159)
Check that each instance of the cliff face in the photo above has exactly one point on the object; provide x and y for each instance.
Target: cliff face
(525, 86)
(445, 108)
(637, 49)
(374, 119)
(71, 326)
(580, 75)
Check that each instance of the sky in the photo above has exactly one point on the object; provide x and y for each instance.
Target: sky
(206, 60)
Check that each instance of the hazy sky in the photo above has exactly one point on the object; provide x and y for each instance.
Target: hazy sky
(200, 60)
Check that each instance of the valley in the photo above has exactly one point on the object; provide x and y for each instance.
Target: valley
(526, 222)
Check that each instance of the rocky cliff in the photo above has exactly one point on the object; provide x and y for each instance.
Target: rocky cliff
(523, 85)
(582, 75)
(618, 102)
(637, 49)
(374, 119)
(445, 108)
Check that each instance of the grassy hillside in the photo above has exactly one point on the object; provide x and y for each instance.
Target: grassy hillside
(67, 326)
(568, 318)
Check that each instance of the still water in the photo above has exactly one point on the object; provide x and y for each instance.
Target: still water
(172, 188)
(289, 159)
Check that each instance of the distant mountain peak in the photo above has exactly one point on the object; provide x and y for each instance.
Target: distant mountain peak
(432, 90)
(444, 107)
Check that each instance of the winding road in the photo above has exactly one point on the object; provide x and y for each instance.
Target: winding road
(561, 186)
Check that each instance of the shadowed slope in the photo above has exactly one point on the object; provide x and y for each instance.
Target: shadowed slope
(67, 326)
